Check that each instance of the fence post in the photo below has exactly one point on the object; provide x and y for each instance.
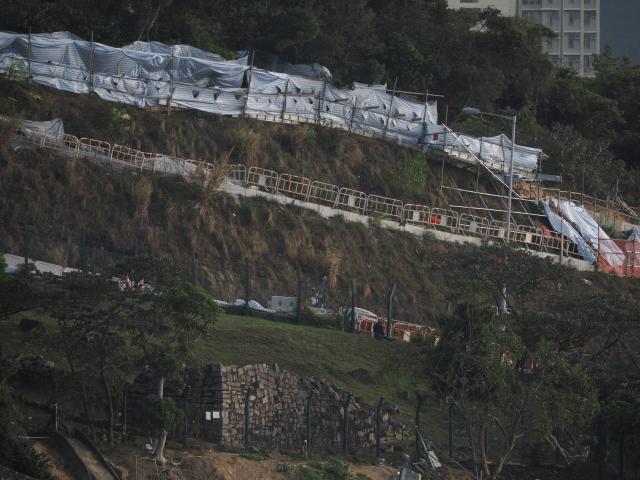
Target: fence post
(345, 425)
(170, 84)
(353, 114)
(25, 244)
(450, 430)
(187, 393)
(247, 285)
(246, 102)
(83, 253)
(352, 321)
(284, 104)
(321, 100)
(29, 58)
(91, 62)
(389, 311)
(195, 267)
(125, 389)
(418, 408)
(299, 297)
(386, 125)
(621, 457)
(308, 422)
(247, 422)
(378, 426)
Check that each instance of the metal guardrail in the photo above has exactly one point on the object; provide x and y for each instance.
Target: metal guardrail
(320, 193)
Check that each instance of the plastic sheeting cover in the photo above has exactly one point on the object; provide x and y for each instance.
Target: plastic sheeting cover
(592, 232)
(152, 74)
(564, 228)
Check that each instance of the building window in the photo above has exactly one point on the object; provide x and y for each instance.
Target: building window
(469, 1)
(572, 4)
(573, 19)
(590, 41)
(590, 20)
(572, 41)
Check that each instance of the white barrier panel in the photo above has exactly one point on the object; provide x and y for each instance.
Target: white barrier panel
(385, 207)
(323, 194)
(416, 214)
(353, 200)
(263, 178)
(294, 186)
(92, 148)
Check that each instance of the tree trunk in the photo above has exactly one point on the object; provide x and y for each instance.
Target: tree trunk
(483, 452)
(162, 440)
(83, 391)
(107, 393)
(161, 387)
(158, 454)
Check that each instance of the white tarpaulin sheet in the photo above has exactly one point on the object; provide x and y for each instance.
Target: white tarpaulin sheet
(563, 227)
(592, 232)
(152, 74)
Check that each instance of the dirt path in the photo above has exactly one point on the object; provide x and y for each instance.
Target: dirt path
(59, 470)
(91, 461)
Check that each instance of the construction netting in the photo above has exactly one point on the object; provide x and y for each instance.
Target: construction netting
(152, 74)
(621, 257)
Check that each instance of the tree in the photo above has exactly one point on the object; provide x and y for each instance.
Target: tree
(89, 312)
(163, 322)
(15, 452)
(499, 382)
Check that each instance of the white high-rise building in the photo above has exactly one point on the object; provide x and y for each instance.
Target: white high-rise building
(577, 25)
(575, 22)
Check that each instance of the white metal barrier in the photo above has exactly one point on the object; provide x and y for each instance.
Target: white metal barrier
(444, 218)
(385, 207)
(316, 192)
(349, 199)
(323, 194)
(263, 178)
(473, 224)
(131, 156)
(416, 214)
(92, 148)
(294, 186)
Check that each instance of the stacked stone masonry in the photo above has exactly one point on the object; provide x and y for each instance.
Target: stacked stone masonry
(214, 401)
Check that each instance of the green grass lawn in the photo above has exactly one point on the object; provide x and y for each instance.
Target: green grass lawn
(395, 368)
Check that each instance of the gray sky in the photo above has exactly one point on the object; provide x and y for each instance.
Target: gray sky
(620, 27)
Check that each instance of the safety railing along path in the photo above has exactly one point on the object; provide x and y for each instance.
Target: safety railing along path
(319, 193)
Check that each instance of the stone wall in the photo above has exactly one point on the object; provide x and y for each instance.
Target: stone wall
(215, 406)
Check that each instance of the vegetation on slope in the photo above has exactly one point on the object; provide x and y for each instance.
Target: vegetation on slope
(477, 58)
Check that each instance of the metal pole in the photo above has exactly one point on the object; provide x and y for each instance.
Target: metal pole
(621, 457)
(378, 426)
(386, 126)
(513, 147)
(450, 430)
(308, 421)
(246, 102)
(299, 297)
(247, 285)
(321, 100)
(352, 324)
(345, 425)
(195, 267)
(29, 58)
(284, 105)
(186, 413)
(418, 408)
(25, 245)
(247, 412)
(170, 84)
(91, 62)
(389, 309)
(353, 113)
